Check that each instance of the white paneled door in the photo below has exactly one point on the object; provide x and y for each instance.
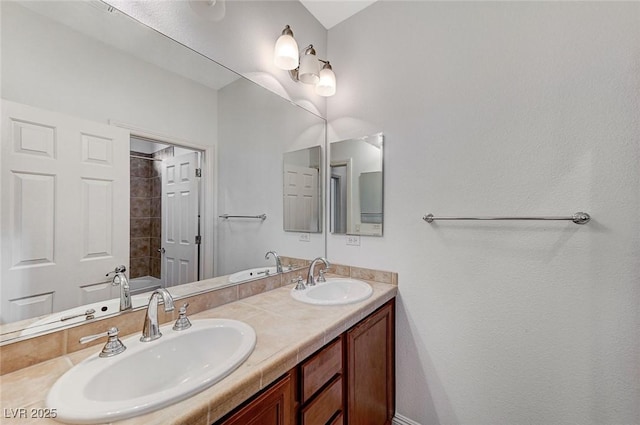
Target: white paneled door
(301, 199)
(65, 210)
(180, 210)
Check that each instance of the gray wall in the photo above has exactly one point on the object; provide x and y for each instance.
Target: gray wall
(507, 109)
(487, 108)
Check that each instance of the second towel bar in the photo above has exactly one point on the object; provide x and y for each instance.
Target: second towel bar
(577, 218)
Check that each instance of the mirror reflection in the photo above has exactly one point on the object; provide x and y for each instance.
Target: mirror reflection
(108, 143)
(302, 177)
(356, 186)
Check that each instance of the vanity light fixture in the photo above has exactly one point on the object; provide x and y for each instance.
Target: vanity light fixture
(304, 66)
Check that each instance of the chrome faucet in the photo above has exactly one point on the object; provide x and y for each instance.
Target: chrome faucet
(278, 263)
(310, 280)
(121, 279)
(151, 328)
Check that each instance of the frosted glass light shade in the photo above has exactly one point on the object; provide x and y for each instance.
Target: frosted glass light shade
(285, 54)
(309, 69)
(327, 84)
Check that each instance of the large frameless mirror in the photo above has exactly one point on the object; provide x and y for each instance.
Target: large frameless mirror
(142, 115)
(356, 186)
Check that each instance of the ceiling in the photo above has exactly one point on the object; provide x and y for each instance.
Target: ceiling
(332, 12)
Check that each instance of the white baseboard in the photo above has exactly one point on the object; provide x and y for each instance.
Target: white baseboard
(401, 420)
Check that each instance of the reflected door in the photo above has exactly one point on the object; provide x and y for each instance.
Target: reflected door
(65, 210)
(180, 212)
(301, 198)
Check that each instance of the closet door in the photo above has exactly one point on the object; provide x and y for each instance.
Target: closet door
(65, 210)
(180, 212)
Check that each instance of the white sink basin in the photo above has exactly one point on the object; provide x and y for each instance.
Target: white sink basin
(252, 274)
(150, 375)
(335, 291)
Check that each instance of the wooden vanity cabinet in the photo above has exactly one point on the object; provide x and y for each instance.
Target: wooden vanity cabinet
(321, 387)
(370, 348)
(274, 406)
(350, 381)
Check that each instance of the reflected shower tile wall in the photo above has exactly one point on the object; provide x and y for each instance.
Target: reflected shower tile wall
(140, 187)
(139, 167)
(140, 247)
(140, 228)
(140, 212)
(140, 207)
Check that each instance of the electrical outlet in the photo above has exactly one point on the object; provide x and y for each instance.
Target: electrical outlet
(353, 240)
(304, 237)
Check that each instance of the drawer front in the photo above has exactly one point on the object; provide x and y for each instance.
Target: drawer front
(339, 420)
(320, 368)
(325, 406)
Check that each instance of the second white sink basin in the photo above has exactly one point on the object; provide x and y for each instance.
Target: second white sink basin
(335, 291)
(150, 375)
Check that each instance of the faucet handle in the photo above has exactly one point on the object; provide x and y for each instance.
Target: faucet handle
(321, 277)
(299, 283)
(120, 269)
(112, 347)
(183, 321)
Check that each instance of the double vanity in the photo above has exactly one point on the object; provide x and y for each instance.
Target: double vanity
(273, 353)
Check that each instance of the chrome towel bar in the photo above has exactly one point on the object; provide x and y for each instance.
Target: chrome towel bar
(261, 216)
(577, 218)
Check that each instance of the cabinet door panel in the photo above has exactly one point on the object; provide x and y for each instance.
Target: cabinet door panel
(273, 407)
(370, 351)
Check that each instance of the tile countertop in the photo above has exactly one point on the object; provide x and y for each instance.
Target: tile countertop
(287, 332)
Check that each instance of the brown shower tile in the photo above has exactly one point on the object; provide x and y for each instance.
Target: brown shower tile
(140, 227)
(155, 267)
(140, 247)
(156, 226)
(139, 167)
(155, 187)
(139, 267)
(155, 207)
(140, 207)
(156, 169)
(155, 244)
(139, 187)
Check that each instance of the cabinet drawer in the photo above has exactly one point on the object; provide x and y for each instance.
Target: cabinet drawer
(320, 368)
(339, 420)
(325, 406)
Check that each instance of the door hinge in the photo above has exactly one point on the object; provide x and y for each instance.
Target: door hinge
(198, 240)
(198, 172)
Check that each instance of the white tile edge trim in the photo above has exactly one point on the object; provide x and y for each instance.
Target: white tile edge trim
(402, 420)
